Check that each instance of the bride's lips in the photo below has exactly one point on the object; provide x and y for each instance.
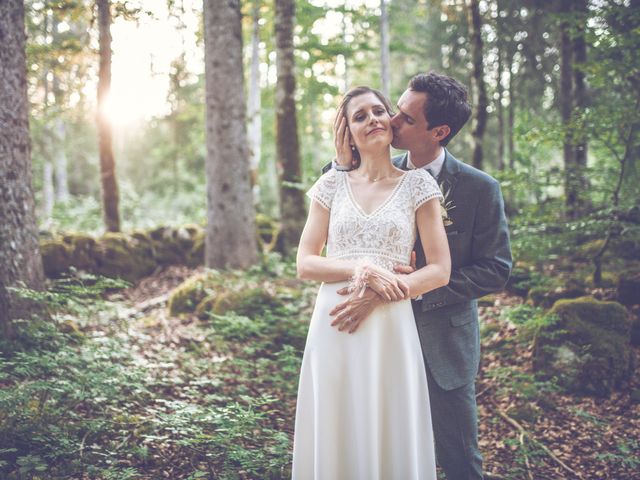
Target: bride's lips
(375, 130)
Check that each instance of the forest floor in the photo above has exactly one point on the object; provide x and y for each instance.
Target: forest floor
(186, 398)
(528, 429)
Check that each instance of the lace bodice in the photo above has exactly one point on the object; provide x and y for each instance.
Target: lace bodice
(385, 236)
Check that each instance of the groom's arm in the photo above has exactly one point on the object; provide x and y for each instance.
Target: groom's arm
(491, 261)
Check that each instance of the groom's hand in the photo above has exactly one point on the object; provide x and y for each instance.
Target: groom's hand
(407, 269)
(354, 310)
(342, 141)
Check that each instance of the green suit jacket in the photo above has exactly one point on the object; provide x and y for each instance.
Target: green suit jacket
(447, 318)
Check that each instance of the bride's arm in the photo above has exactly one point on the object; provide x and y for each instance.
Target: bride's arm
(436, 249)
(310, 264)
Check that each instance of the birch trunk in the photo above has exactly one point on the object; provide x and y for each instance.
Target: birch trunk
(384, 50)
(254, 114)
(231, 233)
(20, 262)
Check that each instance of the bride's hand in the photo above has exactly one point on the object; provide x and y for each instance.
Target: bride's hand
(389, 286)
(354, 310)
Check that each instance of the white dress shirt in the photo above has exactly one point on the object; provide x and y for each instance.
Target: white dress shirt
(435, 167)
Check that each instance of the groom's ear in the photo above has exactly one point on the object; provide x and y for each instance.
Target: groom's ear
(441, 132)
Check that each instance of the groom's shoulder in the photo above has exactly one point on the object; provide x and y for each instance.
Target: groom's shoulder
(473, 174)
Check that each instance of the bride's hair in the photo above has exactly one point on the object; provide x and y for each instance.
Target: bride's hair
(356, 92)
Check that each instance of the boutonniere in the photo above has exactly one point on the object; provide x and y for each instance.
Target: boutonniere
(447, 205)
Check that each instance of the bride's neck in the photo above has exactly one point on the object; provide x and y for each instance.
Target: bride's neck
(374, 166)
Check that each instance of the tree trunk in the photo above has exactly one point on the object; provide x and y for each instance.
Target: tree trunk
(566, 107)
(110, 198)
(499, 86)
(384, 50)
(48, 191)
(254, 117)
(60, 162)
(500, 109)
(231, 232)
(20, 261)
(480, 89)
(581, 101)
(59, 131)
(512, 114)
(292, 204)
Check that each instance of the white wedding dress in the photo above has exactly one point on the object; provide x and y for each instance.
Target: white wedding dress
(363, 403)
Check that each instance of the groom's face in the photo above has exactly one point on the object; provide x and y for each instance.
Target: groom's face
(410, 127)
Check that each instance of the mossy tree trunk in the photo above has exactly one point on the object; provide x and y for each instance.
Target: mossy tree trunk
(20, 262)
(292, 205)
(231, 232)
(110, 197)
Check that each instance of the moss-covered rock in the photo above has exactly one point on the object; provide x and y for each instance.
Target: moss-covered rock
(545, 297)
(121, 256)
(56, 257)
(587, 349)
(206, 307)
(171, 245)
(83, 246)
(186, 297)
(248, 302)
(629, 288)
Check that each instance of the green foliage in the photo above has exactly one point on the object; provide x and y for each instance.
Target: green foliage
(529, 320)
(88, 401)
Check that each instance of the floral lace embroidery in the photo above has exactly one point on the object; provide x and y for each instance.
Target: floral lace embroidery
(387, 235)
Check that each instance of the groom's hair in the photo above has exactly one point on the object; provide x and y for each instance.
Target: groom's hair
(447, 102)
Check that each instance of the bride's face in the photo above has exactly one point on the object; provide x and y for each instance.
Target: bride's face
(369, 122)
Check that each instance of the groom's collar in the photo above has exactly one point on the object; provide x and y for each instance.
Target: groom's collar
(434, 166)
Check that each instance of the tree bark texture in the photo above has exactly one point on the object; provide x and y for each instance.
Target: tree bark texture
(385, 71)
(20, 261)
(292, 204)
(566, 107)
(110, 197)
(481, 101)
(231, 232)
(580, 91)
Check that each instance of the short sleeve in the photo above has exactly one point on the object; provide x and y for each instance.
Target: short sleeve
(324, 189)
(423, 188)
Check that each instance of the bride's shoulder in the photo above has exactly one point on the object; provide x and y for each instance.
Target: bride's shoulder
(324, 189)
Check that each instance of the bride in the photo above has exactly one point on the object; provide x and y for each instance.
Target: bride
(361, 411)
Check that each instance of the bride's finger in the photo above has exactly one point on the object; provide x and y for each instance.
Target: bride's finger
(404, 286)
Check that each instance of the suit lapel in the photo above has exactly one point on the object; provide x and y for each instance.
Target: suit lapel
(449, 175)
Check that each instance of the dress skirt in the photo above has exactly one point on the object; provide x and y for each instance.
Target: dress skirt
(363, 402)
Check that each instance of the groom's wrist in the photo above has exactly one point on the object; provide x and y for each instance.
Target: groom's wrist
(341, 168)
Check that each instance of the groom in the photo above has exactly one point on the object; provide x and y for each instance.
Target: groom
(431, 112)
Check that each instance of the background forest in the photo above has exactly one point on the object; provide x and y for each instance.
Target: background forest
(165, 342)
